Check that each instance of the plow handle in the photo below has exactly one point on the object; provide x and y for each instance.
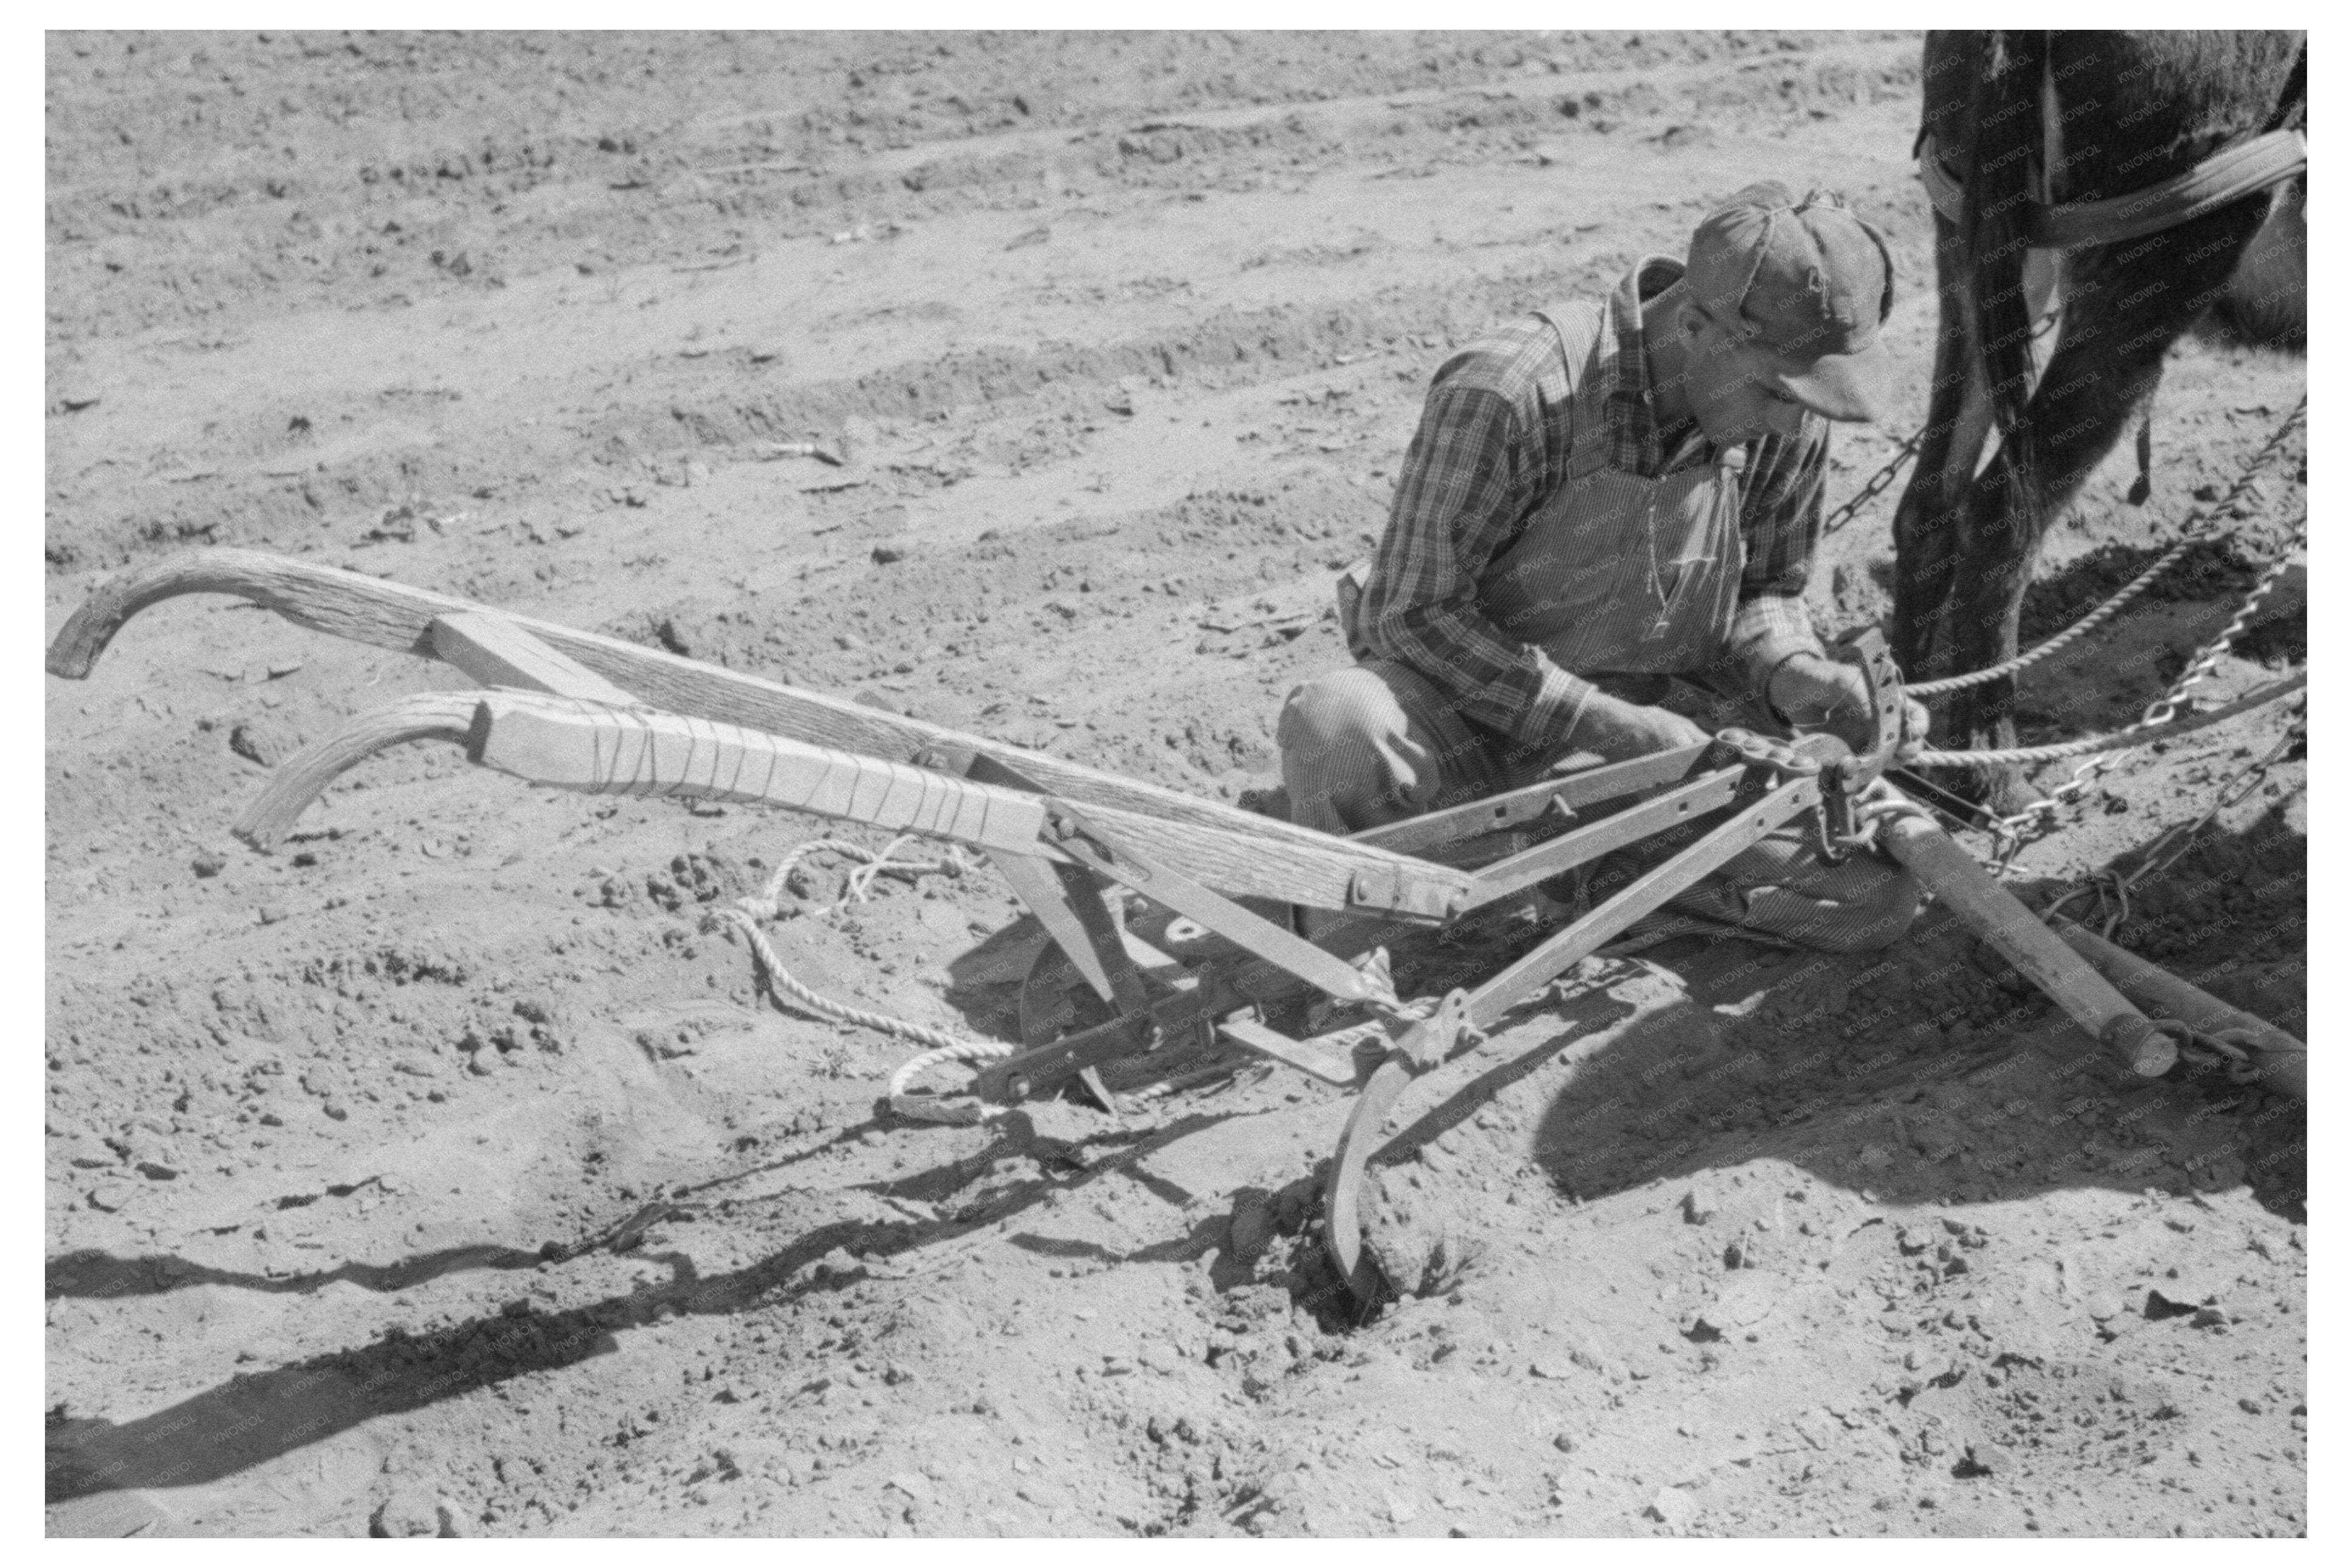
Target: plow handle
(2018, 934)
(2278, 1056)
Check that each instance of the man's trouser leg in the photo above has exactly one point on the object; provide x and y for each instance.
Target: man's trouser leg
(1374, 743)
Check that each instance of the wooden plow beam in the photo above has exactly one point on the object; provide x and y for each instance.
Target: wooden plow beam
(1243, 853)
(595, 713)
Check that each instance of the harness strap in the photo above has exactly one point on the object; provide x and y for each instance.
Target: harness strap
(2231, 175)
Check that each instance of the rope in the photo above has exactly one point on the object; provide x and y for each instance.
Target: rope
(2261, 461)
(745, 917)
(860, 886)
(2160, 722)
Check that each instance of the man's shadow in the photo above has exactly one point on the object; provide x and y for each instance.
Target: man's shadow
(1930, 1074)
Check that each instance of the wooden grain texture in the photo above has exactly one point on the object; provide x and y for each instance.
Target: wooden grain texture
(2017, 933)
(2280, 1058)
(428, 716)
(494, 650)
(603, 750)
(1245, 853)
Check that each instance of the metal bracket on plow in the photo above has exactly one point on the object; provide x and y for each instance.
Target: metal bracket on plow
(1085, 842)
(1462, 1013)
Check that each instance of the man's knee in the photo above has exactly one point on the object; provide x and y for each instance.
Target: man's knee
(1347, 710)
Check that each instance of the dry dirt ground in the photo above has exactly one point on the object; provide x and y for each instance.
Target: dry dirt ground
(443, 1172)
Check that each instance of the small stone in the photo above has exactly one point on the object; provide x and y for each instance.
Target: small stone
(883, 554)
(410, 1512)
(155, 1171)
(107, 1197)
(270, 914)
(1400, 1510)
(1563, 1442)
(1158, 1355)
(1991, 1458)
(1698, 1203)
(2103, 1305)
(209, 863)
(1673, 1507)
(1251, 1229)
(913, 1485)
(268, 742)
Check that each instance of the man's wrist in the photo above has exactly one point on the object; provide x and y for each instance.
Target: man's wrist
(1810, 689)
(1772, 677)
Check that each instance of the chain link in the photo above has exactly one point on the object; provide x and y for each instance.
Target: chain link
(2114, 888)
(1872, 486)
(2218, 513)
(2012, 833)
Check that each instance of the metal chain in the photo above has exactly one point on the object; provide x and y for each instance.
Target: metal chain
(2162, 710)
(2012, 833)
(1872, 487)
(2247, 475)
(1846, 510)
(2114, 888)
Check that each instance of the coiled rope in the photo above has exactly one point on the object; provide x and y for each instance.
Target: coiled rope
(745, 916)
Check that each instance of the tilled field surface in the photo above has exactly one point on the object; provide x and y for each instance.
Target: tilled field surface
(443, 1172)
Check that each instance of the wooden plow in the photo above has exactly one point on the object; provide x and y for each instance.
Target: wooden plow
(598, 714)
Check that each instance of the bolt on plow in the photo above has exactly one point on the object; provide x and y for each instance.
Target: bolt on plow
(1223, 886)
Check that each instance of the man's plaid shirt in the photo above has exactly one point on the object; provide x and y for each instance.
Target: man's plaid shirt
(1494, 445)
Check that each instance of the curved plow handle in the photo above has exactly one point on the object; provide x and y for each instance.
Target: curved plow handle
(342, 604)
(299, 781)
(1218, 845)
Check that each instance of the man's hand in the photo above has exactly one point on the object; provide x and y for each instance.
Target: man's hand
(1819, 693)
(1618, 731)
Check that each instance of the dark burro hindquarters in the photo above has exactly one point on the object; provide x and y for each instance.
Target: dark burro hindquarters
(2132, 109)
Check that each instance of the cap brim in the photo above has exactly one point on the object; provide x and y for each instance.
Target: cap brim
(1858, 388)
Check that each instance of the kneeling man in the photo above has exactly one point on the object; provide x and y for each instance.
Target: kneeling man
(1600, 544)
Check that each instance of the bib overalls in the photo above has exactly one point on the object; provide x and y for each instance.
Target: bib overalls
(1632, 583)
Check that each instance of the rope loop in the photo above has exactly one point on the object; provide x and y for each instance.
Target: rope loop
(745, 916)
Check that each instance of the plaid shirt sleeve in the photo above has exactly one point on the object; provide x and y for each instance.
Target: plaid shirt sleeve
(1470, 478)
(1780, 514)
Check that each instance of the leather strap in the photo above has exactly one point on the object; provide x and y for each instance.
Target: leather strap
(2231, 175)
